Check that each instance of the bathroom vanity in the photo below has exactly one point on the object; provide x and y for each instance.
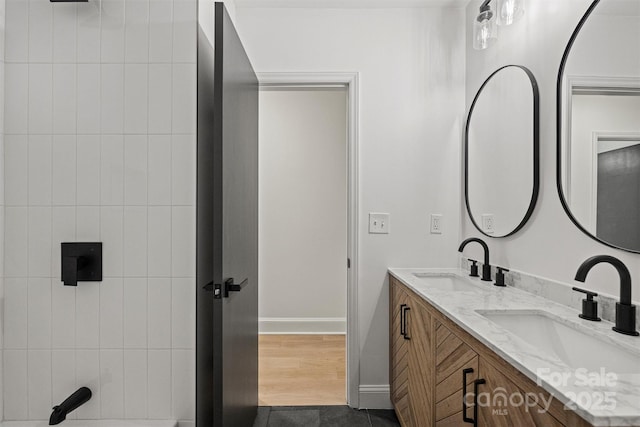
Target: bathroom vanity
(464, 352)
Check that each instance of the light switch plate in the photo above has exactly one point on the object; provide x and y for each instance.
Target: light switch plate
(379, 223)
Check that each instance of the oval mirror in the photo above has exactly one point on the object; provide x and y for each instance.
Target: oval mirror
(501, 152)
(599, 124)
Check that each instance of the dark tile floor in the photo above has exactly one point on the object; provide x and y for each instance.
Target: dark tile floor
(323, 416)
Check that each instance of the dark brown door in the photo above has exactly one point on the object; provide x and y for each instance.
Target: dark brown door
(227, 231)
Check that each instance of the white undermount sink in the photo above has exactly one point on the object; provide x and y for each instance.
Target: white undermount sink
(446, 282)
(575, 347)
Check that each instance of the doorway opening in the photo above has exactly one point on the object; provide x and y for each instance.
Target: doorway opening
(307, 244)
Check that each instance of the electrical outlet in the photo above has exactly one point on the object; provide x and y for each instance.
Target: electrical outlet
(488, 224)
(379, 223)
(436, 224)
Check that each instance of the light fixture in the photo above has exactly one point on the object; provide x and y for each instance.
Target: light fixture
(509, 11)
(485, 31)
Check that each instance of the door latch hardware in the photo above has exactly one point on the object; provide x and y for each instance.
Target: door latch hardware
(216, 289)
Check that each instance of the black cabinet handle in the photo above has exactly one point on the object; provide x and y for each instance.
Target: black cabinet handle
(466, 419)
(402, 306)
(476, 383)
(406, 334)
(229, 286)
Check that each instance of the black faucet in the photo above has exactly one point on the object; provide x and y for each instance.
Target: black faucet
(486, 267)
(625, 310)
(79, 397)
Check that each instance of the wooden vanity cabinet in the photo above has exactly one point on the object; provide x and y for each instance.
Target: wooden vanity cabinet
(430, 360)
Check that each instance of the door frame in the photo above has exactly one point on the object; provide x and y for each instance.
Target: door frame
(349, 80)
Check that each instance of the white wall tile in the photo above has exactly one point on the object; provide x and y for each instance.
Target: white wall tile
(159, 170)
(113, 102)
(160, 101)
(39, 379)
(64, 170)
(87, 320)
(39, 232)
(112, 230)
(39, 313)
(63, 376)
(112, 384)
(183, 244)
(160, 31)
(88, 170)
(184, 98)
(40, 98)
(39, 170)
(63, 229)
(112, 37)
(15, 379)
(112, 170)
(135, 169)
(63, 315)
(183, 169)
(183, 373)
(88, 35)
(135, 383)
(15, 242)
(16, 149)
(40, 31)
(87, 223)
(135, 241)
(183, 313)
(111, 313)
(64, 33)
(159, 384)
(159, 313)
(88, 375)
(137, 31)
(159, 258)
(184, 31)
(15, 313)
(88, 102)
(17, 31)
(136, 98)
(135, 313)
(64, 99)
(16, 98)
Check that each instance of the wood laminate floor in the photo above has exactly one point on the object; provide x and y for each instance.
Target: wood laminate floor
(302, 370)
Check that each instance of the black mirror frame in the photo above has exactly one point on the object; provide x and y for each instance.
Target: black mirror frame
(536, 151)
(559, 129)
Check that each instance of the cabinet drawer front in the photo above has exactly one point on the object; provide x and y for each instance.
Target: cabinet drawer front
(449, 393)
(499, 402)
(452, 354)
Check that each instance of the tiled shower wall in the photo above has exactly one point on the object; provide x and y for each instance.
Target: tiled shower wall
(100, 114)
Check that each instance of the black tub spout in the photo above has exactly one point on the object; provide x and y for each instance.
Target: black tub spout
(79, 397)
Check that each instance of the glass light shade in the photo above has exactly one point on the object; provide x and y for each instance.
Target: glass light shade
(485, 30)
(509, 11)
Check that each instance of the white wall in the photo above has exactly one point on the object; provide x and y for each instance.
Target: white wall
(2, 37)
(550, 245)
(411, 65)
(100, 146)
(303, 210)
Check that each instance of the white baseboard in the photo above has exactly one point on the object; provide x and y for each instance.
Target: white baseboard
(375, 397)
(302, 325)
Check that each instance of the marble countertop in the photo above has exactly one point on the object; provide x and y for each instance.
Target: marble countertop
(602, 402)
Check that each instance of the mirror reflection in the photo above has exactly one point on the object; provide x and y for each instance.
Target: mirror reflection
(501, 152)
(599, 141)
